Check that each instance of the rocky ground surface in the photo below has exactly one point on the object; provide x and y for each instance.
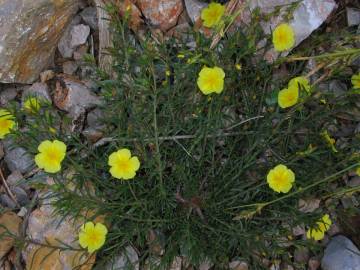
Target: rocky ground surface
(42, 50)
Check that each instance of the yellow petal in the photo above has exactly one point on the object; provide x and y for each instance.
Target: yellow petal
(101, 228)
(116, 172)
(60, 146)
(88, 226)
(83, 239)
(44, 146)
(300, 82)
(355, 80)
(315, 234)
(124, 154)
(113, 159)
(135, 163)
(128, 175)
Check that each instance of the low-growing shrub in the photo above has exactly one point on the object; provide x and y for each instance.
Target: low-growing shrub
(202, 188)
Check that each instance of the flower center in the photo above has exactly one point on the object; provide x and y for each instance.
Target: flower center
(52, 156)
(280, 178)
(282, 37)
(291, 97)
(124, 165)
(5, 124)
(211, 81)
(94, 237)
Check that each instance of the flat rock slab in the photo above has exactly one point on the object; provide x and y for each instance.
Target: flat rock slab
(9, 224)
(341, 254)
(307, 17)
(29, 33)
(47, 227)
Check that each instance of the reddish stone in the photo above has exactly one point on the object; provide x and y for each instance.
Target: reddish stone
(135, 15)
(162, 14)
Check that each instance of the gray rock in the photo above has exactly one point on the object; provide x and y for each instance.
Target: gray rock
(128, 259)
(21, 195)
(17, 159)
(64, 46)
(69, 67)
(71, 93)
(80, 52)
(79, 34)
(89, 16)
(314, 263)
(14, 178)
(308, 205)
(353, 16)
(92, 134)
(94, 118)
(354, 181)
(341, 254)
(193, 8)
(301, 255)
(30, 31)
(206, 265)
(7, 95)
(40, 90)
(6, 201)
(176, 263)
(238, 265)
(335, 87)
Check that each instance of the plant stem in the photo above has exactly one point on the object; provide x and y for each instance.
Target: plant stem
(300, 190)
(325, 55)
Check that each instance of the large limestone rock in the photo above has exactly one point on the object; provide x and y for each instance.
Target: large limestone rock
(307, 17)
(29, 33)
(341, 254)
(48, 228)
(9, 225)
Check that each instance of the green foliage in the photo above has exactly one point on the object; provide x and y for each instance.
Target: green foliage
(204, 159)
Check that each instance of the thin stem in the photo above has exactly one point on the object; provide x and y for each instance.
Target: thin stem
(12, 196)
(325, 55)
(156, 132)
(300, 190)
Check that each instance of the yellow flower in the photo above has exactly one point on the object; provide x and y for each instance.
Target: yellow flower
(355, 80)
(212, 14)
(211, 80)
(123, 166)
(301, 83)
(322, 226)
(358, 171)
(288, 97)
(281, 179)
(180, 56)
(238, 66)
(32, 105)
(50, 155)
(92, 236)
(283, 37)
(315, 233)
(6, 123)
(52, 130)
(330, 141)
